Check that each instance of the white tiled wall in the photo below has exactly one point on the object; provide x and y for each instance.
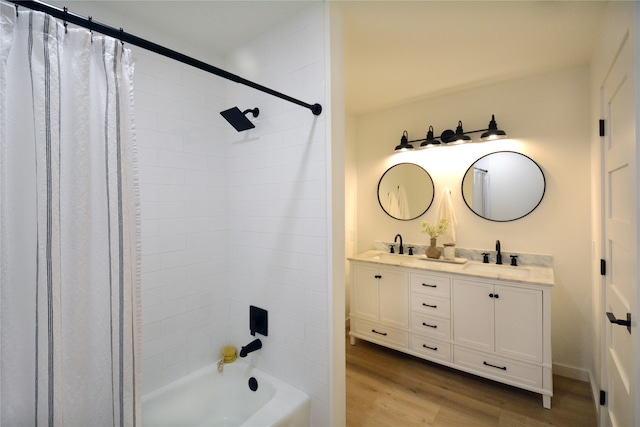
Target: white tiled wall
(182, 152)
(278, 208)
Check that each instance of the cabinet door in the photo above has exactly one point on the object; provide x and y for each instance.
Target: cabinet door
(518, 322)
(473, 319)
(394, 298)
(364, 303)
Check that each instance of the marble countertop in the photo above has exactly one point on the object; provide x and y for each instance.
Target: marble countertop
(537, 274)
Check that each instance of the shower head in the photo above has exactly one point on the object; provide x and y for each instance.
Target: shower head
(238, 119)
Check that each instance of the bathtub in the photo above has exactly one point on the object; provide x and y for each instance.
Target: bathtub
(210, 398)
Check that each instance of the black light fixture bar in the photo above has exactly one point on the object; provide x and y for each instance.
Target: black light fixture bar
(449, 136)
(124, 37)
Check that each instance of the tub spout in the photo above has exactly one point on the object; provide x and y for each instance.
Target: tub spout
(251, 347)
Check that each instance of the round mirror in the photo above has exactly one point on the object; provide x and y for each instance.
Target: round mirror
(503, 186)
(405, 191)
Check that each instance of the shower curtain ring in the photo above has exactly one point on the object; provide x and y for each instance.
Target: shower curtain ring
(121, 36)
(64, 22)
(17, 14)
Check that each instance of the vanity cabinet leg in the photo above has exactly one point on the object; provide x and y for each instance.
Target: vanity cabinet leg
(352, 340)
(546, 401)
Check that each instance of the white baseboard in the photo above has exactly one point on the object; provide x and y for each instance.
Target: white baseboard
(571, 372)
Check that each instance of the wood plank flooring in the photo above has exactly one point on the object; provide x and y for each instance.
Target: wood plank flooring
(389, 388)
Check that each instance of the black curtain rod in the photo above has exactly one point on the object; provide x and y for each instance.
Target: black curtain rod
(120, 34)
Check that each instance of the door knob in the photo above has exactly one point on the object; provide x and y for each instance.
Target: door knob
(627, 323)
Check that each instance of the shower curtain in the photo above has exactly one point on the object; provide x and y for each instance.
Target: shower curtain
(69, 227)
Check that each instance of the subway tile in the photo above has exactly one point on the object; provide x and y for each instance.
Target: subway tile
(172, 159)
(150, 262)
(181, 193)
(158, 175)
(151, 331)
(150, 138)
(161, 210)
(164, 277)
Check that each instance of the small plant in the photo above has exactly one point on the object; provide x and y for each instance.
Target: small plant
(435, 230)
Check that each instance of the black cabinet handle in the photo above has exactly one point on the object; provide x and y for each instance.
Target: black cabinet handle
(377, 276)
(379, 333)
(494, 296)
(430, 326)
(429, 286)
(491, 295)
(504, 368)
(430, 348)
(428, 305)
(621, 322)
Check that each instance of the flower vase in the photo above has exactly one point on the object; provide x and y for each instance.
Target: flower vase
(433, 251)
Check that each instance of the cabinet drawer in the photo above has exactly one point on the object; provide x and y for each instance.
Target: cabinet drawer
(380, 333)
(430, 305)
(431, 326)
(430, 348)
(433, 285)
(517, 373)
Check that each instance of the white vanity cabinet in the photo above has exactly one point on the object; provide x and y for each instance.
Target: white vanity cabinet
(496, 328)
(380, 305)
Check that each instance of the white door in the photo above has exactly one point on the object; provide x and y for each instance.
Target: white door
(620, 241)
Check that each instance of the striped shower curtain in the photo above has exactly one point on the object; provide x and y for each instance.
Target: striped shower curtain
(69, 234)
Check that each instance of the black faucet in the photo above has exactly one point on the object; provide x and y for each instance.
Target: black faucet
(401, 250)
(498, 254)
(251, 347)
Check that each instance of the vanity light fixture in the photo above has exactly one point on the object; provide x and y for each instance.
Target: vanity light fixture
(493, 132)
(404, 143)
(430, 141)
(449, 137)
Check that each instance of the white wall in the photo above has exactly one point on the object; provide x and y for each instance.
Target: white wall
(547, 118)
(278, 201)
(184, 218)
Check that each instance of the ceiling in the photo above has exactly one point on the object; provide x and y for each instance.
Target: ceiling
(399, 51)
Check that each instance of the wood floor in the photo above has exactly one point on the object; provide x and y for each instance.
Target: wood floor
(389, 388)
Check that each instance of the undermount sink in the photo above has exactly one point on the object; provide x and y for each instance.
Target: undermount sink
(499, 269)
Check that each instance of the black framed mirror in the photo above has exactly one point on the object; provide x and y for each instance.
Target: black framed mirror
(503, 186)
(405, 191)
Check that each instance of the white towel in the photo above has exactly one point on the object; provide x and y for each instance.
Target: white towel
(445, 210)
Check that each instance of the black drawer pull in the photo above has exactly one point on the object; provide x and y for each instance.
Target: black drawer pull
(379, 333)
(431, 326)
(430, 348)
(429, 305)
(430, 286)
(377, 276)
(504, 368)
